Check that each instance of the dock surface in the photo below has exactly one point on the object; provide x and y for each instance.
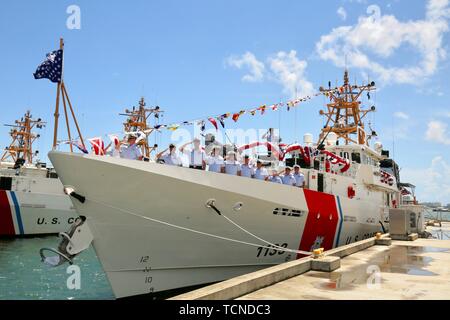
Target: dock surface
(417, 269)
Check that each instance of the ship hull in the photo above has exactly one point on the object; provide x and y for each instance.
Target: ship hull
(153, 231)
(29, 213)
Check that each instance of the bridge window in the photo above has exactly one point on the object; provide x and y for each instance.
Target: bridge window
(356, 157)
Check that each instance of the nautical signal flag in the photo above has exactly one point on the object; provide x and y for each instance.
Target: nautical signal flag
(222, 123)
(214, 122)
(80, 146)
(202, 125)
(173, 127)
(114, 139)
(98, 145)
(262, 109)
(237, 115)
(77, 144)
(51, 68)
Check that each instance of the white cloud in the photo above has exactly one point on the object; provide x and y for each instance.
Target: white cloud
(290, 72)
(283, 67)
(248, 59)
(377, 37)
(401, 115)
(437, 132)
(433, 183)
(342, 13)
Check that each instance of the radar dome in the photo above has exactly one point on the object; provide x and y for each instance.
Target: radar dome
(378, 147)
(332, 138)
(308, 138)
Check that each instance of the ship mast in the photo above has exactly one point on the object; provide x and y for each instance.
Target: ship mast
(345, 113)
(138, 121)
(23, 138)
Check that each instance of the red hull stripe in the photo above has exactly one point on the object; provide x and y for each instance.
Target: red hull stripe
(6, 220)
(321, 223)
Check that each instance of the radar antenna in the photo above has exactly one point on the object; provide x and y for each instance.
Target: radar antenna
(345, 114)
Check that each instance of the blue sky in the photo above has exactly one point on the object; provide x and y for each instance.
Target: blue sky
(200, 58)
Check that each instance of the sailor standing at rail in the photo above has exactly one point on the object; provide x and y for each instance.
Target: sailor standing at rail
(132, 151)
(115, 151)
(197, 157)
(171, 158)
(288, 178)
(299, 177)
(260, 172)
(232, 166)
(247, 169)
(274, 177)
(215, 161)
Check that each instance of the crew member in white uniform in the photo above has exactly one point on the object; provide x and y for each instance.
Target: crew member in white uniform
(197, 157)
(299, 177)
(115, 151)
(247, 169)
(132, 151)
(260, 172)
(171, 158)
(274, 177)
(215, 161)
(288, 178)
(232, 166)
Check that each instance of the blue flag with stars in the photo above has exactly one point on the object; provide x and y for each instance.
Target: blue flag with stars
(51, 68)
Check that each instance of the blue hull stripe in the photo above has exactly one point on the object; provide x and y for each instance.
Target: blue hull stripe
(16, 206)
(340, 222)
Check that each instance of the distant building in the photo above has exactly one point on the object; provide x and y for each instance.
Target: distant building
(432, 204)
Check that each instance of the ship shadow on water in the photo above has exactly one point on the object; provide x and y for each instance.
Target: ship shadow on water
(167, 294)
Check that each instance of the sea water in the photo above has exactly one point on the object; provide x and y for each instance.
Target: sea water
(437, 215)
(24, 277)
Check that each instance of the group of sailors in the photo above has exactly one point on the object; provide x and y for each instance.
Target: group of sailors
(214, 162)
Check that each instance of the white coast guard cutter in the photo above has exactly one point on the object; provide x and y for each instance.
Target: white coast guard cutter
(32, 201)
(158, 227)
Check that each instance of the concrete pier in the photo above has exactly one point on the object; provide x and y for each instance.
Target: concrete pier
(370, 269)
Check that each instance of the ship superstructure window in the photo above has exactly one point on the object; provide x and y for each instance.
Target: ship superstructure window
(5, 183)
(356, 157)
(52, 174)
(364, 159)
(371, 161)
(345, 155)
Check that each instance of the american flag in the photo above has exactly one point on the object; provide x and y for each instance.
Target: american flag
(51, 68)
